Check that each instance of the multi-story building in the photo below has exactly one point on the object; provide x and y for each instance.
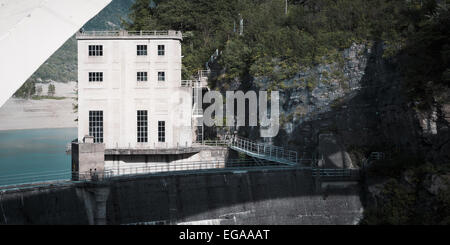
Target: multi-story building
(134, 111)
(129, 90)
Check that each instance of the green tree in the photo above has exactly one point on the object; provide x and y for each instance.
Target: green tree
(39, 90)
(426, 63)
(51, 90)
(27, 90)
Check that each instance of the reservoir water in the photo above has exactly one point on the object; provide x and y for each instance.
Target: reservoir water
(34, 155)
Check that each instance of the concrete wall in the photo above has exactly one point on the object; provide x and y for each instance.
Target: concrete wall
(87, 158)
(260, 197)
(210, 157)
(120, 95)
(43, 206)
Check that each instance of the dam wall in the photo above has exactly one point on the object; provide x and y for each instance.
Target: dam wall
(283, 196)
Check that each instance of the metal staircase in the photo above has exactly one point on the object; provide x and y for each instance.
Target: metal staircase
(197, 85)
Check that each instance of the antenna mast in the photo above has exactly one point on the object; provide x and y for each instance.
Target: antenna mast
(286, 8)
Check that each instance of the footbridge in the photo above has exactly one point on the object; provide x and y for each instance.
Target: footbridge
(258, 151)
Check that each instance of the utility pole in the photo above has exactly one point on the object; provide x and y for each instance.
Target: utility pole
(241, 25)
(286, 8)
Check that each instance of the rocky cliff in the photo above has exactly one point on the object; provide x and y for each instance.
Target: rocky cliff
(341, 111)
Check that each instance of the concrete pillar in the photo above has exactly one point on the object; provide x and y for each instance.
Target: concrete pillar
(101, 196)
(88, 160)
(94, 200)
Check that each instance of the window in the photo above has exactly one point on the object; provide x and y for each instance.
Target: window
(142, 126)
(199, 133)
(161, 50)
(96, 125)
(161, 76)
(95, 50)
(95, 76)
(141, 50)
(142, 76)
(161, 131)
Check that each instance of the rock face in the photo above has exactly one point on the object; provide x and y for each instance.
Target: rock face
(340, 120)
(361, 100)
(314, 90)
(413, 198)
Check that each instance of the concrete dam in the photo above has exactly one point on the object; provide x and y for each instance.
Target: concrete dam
(259, 196)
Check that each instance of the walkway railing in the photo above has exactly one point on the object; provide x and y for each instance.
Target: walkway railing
(216, 142)
(46, 179)
(258, 150)
(190, 83)
(203, 74)
(335, 173)
(36, 179)
(124, 33)
(264, 151)
(264, 157)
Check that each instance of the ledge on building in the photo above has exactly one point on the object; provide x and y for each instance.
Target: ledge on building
(162, 151)
(123, 34)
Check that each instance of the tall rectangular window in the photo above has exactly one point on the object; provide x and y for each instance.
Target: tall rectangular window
(161, 131)
(96, 125)
(95, 76)
(141, 50)
(95, 50)
(142, 76)
(142, 126)
(161, 50)
(161, 76)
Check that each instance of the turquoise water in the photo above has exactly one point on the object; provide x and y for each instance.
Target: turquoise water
(34, 155)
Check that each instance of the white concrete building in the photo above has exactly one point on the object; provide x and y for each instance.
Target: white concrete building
(130, 94)
(134, 107)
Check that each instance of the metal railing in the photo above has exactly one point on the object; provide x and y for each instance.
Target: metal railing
(149, 33)
(258, 150)
(192, 84)
(35, 179)
(264, 151)
(45, 179)
(186, 83)
(216, 142)
(376, 156)
(124, 33)
(335, 172)
(203, 74)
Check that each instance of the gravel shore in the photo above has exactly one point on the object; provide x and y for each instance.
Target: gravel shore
(18, 114)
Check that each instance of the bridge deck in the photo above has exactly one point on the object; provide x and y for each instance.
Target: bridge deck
(259, 150)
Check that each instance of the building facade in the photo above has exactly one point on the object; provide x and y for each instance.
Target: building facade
(130, 94)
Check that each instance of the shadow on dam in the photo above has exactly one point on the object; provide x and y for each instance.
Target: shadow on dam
(288, 196)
